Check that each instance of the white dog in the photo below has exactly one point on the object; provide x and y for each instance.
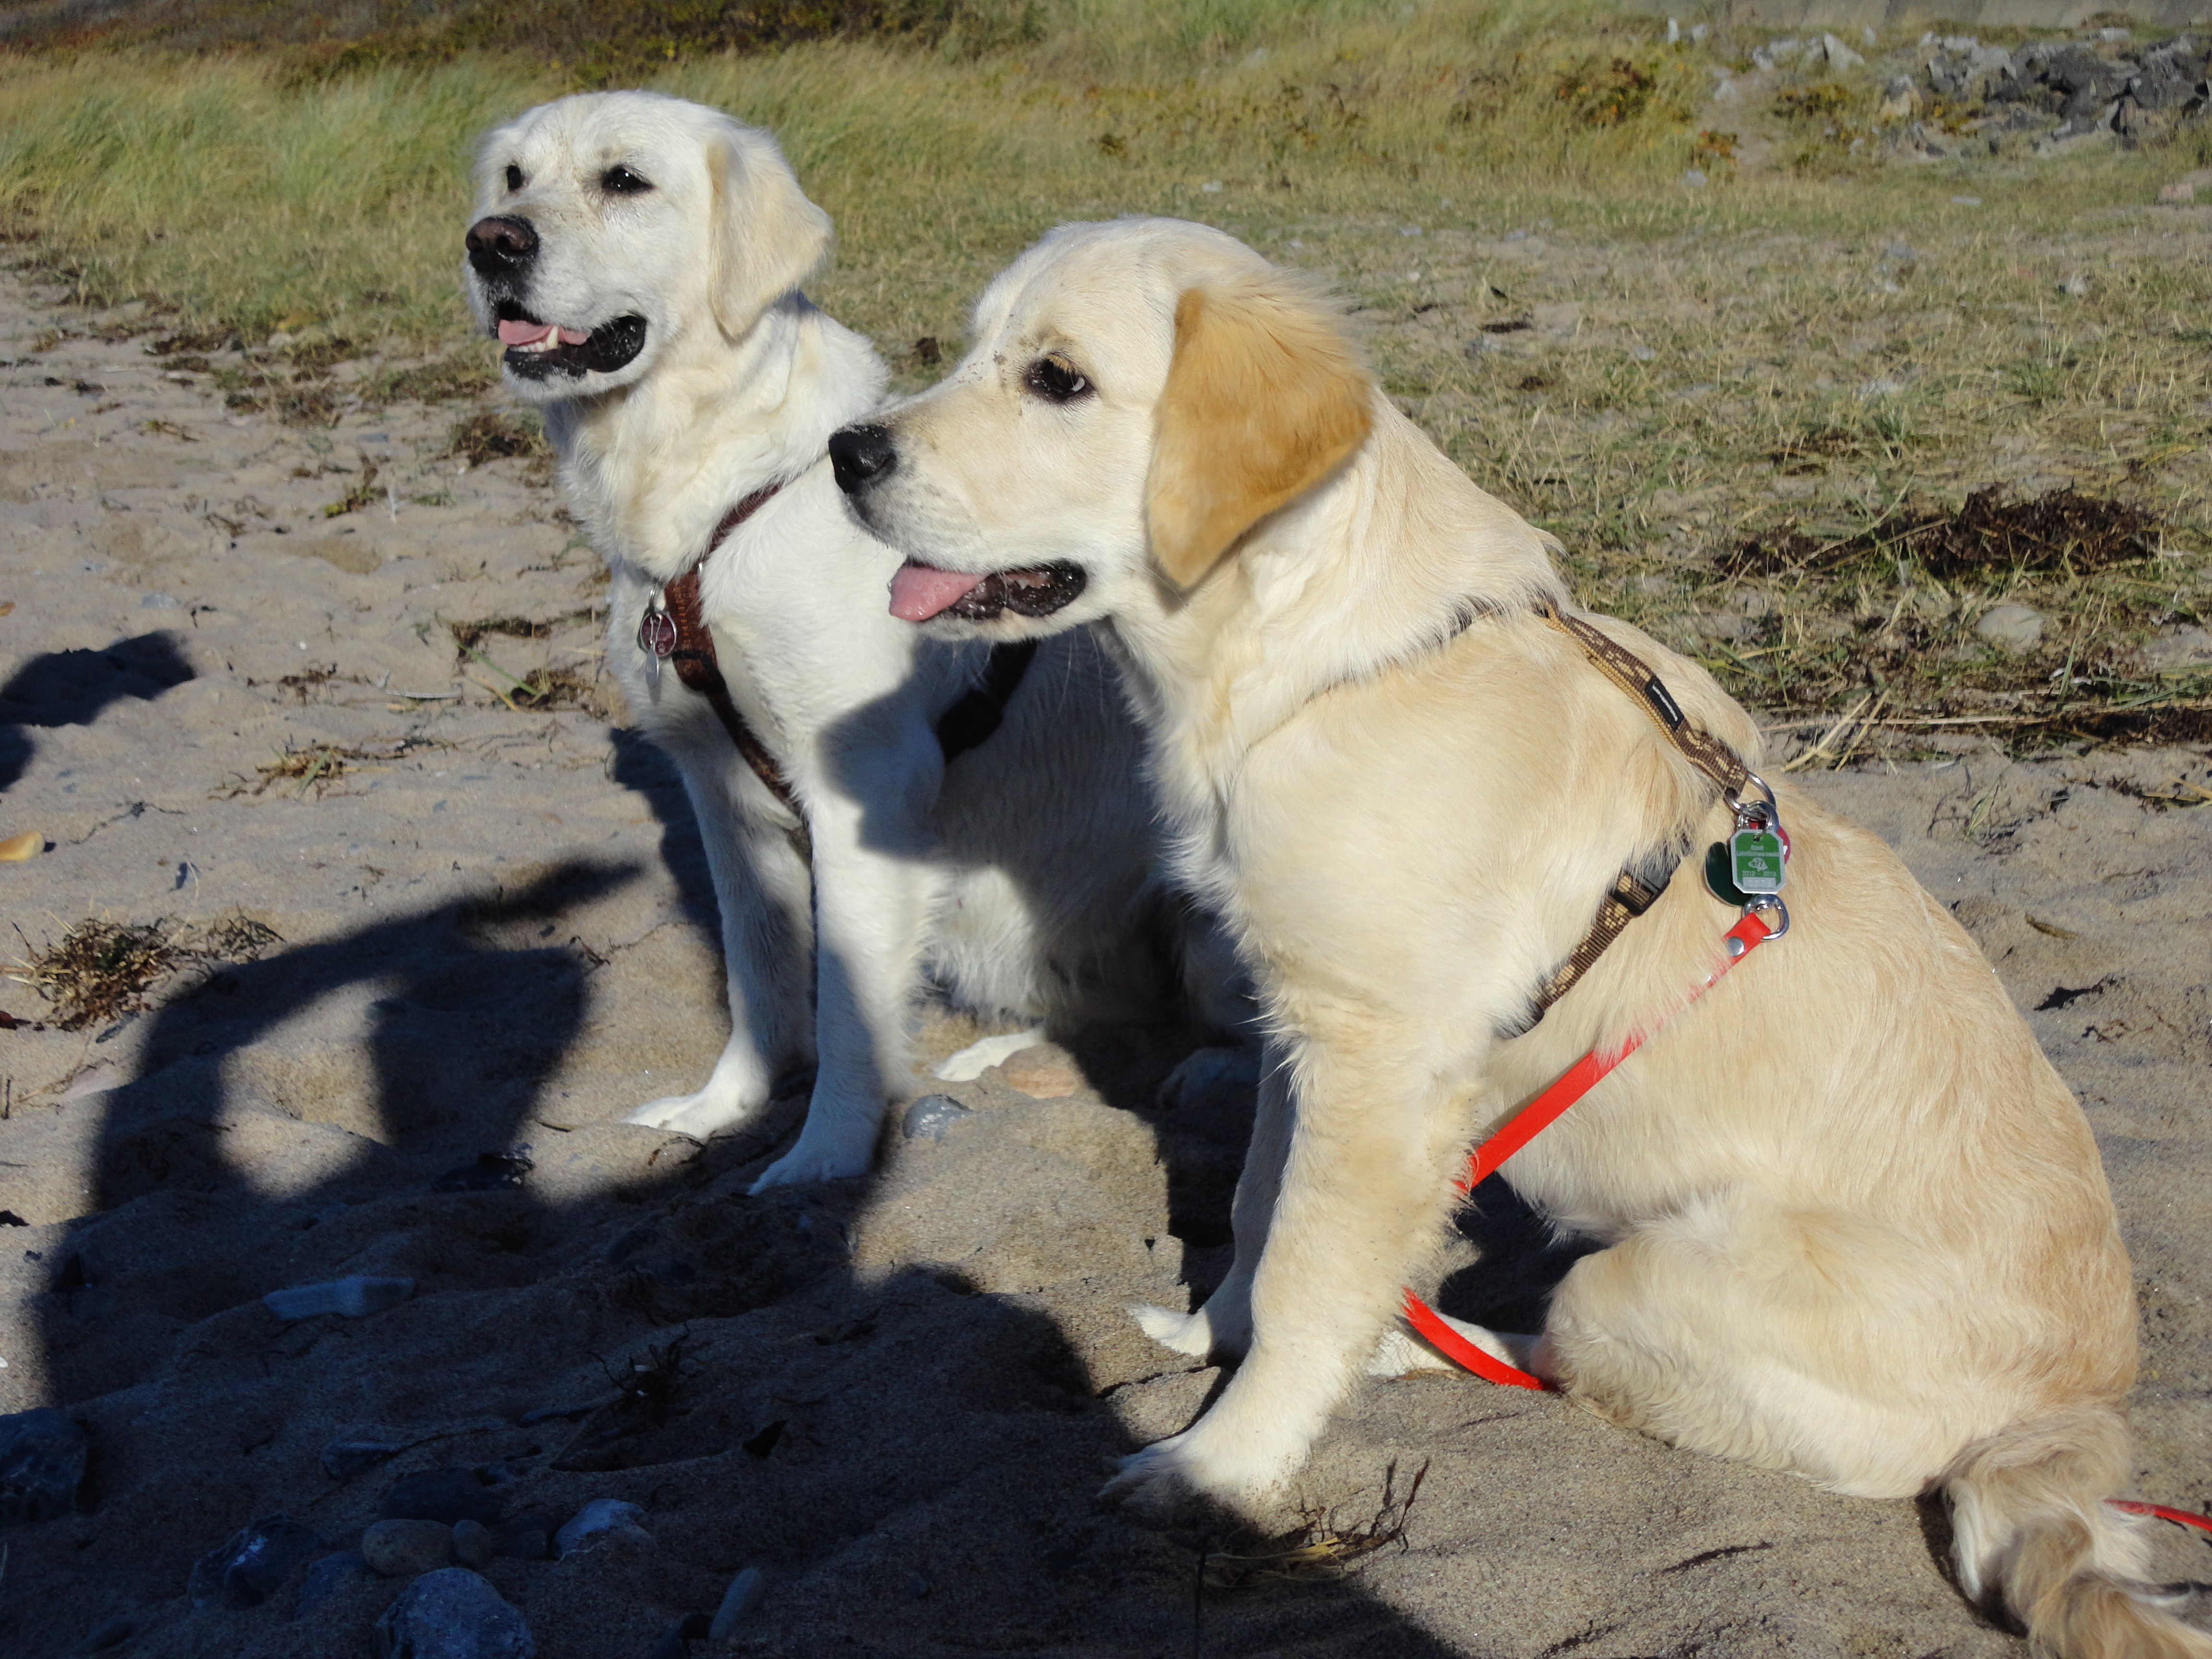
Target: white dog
(1857, 1228)
(640, 258)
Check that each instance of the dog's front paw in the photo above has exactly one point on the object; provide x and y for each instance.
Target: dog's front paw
(825, 1157)
(1184, 1479)
(1202, 1335)
(698, 1115)
(1188, 1332)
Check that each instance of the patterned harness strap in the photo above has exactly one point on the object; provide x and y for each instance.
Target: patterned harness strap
(675, 628)
(1637, 888)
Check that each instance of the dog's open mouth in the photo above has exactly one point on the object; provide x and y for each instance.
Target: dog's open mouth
(919, 591)
(535, 348)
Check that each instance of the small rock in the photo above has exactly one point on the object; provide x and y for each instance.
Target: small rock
(473, 1543)
(16, 848)
(2078, 285)
(596, 1519)
(352, 1297)
(342, 1459)
(2011, 627)
(42, 1454)
(452, 1613)
(1694, 178)
(745, 1594)
(1040, 1073)
(928, 1118)
(1840, 57)
(254, 1564)
(916, 1586)
(447, 1495)
(402, 1549)
(326, 1575)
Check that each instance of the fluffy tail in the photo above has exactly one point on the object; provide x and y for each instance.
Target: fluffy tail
(2029, 1520)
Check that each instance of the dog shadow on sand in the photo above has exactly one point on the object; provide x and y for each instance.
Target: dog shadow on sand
(597, 1312)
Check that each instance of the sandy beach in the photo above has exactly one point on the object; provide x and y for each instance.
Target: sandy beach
(324, 704)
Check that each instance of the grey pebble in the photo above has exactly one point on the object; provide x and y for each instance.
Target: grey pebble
(2011, 627)
(473, 1544)
(401, 1549)
(928, 1118)
(916, 1586)
(353, 1297)
(253, 1565)
(745, 1594)
(597, 1519)
(452, 1614)
(42, 1454)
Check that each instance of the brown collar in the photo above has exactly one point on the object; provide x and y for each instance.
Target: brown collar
(674, 630)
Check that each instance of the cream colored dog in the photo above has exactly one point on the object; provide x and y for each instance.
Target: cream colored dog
(640, 258)
(1856, 1225)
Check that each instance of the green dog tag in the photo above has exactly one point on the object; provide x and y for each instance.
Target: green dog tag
(1755, 860)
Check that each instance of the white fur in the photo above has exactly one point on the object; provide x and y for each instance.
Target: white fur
(1023, 874)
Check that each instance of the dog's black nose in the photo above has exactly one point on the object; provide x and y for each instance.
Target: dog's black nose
(859, 455)
(499, 244)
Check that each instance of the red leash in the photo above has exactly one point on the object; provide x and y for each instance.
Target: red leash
(1525, 1125)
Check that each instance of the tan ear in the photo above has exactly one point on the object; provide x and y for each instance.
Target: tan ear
(767, 238)
(1265, 399)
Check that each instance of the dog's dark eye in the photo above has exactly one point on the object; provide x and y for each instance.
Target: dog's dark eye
(1056, 380)
(621, 181)
(513, 176)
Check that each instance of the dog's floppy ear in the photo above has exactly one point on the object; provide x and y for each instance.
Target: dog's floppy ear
(1265, 399)
(767, 237)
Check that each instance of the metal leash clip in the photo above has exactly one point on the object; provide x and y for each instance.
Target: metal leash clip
(656, 634)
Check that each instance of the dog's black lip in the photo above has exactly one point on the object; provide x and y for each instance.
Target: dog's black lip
(1036, 591)
(610, 346)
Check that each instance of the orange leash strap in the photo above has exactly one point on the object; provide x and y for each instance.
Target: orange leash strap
(1531, 1120)
(2179, 1517)
(1523, 1127)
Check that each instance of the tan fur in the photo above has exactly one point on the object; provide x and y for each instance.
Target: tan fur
(766, 237)
(1262, 402)
(1855, 1224)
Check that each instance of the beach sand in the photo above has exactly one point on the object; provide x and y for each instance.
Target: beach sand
(491, 934)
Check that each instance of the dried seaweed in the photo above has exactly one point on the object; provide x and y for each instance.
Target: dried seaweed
(101, 970)
(1317, 1547)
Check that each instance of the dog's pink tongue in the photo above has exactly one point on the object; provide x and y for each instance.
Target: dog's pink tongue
(513, 331)
(919, 591)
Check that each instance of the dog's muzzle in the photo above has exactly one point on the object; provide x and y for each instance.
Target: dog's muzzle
(859, 455)
(501, 247)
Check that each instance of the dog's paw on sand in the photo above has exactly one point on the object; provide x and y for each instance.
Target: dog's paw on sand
(1163, 1485)
(1203, 1334)
(825, 1157)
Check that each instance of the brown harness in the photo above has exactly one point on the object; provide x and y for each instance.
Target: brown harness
(1637, 887)
(674, 630)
